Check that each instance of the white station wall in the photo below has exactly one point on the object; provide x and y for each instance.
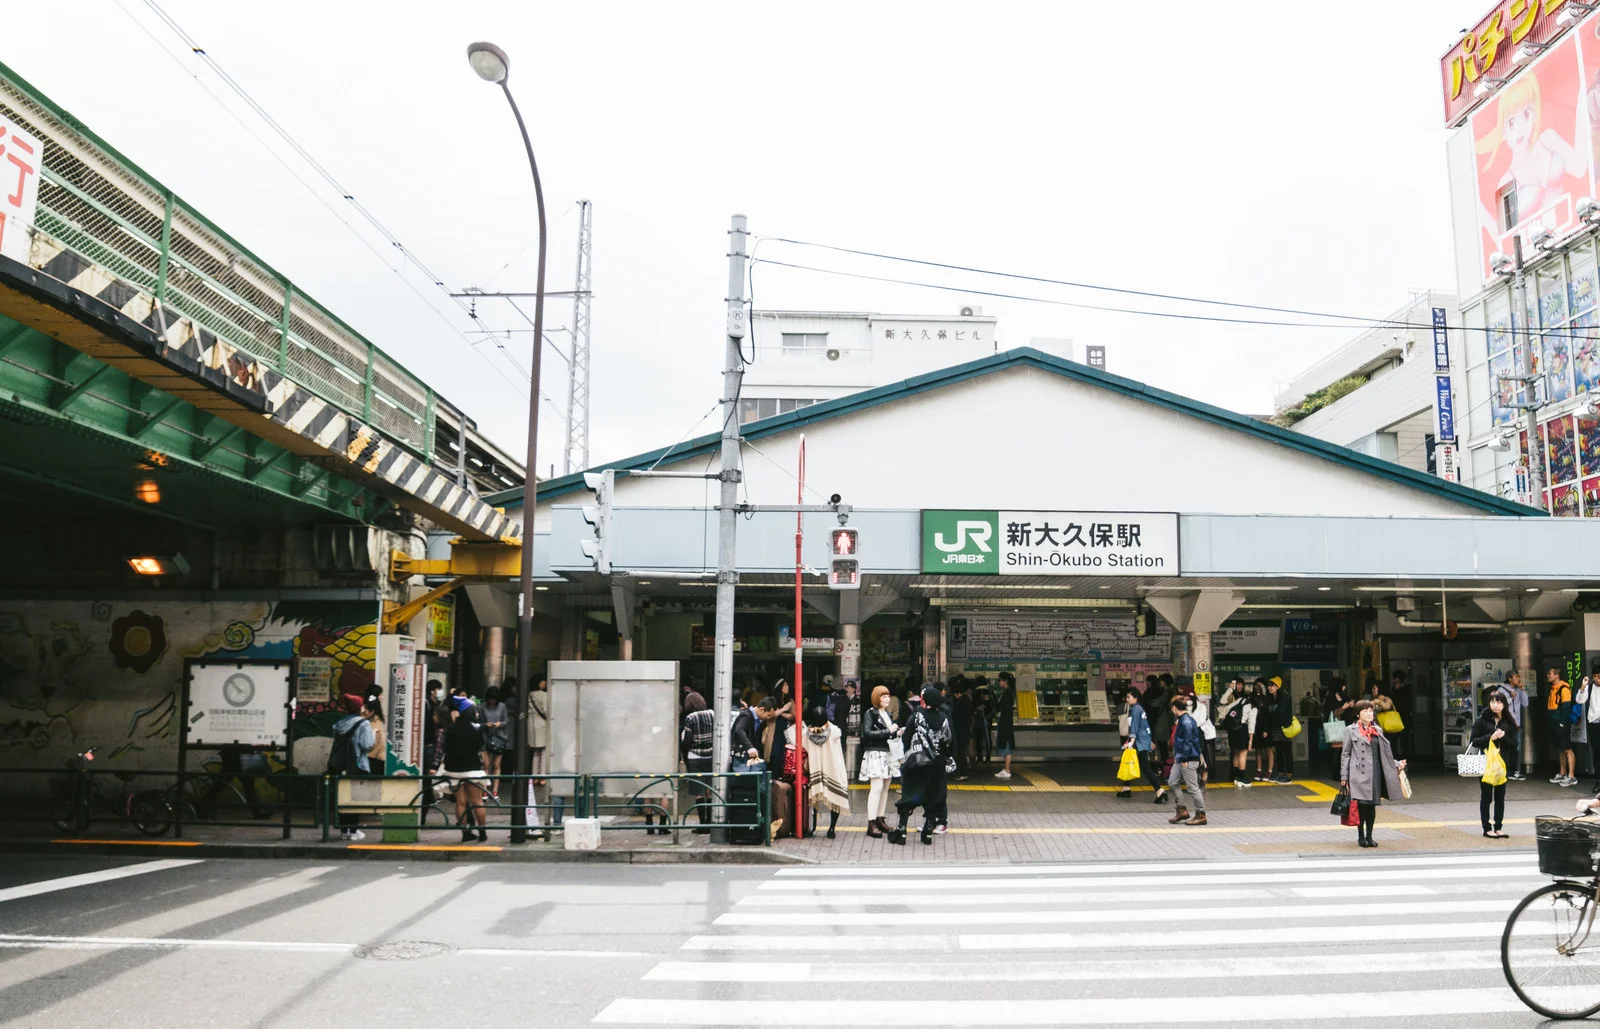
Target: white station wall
(1029, 439)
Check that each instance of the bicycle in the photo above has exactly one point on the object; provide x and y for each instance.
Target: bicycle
(75, 792)
(1549, 954)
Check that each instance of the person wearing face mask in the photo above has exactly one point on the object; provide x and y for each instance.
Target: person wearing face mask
(877, 764)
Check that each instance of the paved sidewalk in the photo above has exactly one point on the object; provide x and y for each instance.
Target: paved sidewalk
(1047, 813)
(1060, 812)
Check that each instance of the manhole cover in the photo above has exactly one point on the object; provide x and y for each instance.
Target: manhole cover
(403, 950)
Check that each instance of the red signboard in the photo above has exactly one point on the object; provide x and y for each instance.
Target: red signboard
(1485, 57)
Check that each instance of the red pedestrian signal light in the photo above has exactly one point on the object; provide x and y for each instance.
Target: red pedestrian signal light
(844, 569)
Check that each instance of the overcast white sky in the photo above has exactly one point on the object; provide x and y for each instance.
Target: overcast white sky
(1284, 154)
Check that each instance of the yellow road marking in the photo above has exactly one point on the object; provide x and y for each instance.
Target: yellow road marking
(136, 843)
(1197, 830)
(1317, 792)
(421, 846)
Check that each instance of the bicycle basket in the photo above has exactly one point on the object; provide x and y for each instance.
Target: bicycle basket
(1566, 847)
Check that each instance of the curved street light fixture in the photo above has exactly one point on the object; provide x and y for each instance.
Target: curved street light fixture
(492, 65)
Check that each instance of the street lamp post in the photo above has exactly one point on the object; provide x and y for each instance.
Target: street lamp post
(492, 65)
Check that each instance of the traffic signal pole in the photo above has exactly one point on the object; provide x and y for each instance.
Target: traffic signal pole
(799, 654)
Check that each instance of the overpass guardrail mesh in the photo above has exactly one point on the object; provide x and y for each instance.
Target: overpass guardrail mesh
(97, 205)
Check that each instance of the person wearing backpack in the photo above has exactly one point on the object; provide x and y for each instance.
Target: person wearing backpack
(1563, 715)
(1239, 723)
(922, 775)
(347, 757)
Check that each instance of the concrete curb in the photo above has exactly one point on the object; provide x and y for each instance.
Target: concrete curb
(470, 855)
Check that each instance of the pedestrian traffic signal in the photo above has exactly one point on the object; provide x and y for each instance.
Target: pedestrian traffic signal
(844, 569)
(598, 514)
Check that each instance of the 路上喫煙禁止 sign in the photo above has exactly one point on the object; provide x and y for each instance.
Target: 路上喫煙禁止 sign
(1064, 543)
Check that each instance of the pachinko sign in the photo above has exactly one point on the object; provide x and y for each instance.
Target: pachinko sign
(1487, 55)
(1534, 143)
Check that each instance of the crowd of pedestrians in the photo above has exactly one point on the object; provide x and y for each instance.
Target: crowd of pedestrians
(925, 738)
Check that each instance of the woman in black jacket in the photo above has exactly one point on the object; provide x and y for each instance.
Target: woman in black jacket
(877, 767)
(922, 782)
(1495, 726)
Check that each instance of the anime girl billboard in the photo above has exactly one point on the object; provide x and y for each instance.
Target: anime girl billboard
(1532, 143)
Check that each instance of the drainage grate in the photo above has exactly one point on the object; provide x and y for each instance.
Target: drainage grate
(403, 950)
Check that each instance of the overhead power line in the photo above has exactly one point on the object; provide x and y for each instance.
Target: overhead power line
(320, 170)
(1363, 322)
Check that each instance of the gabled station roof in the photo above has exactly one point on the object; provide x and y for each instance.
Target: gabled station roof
(1028, 357)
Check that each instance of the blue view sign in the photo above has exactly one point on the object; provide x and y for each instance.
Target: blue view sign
(1441, 342)
(1444, 421)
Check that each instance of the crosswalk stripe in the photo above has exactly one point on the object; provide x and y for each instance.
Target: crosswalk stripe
(1079, 915)
(1517, 886)
(1257, 936)
(1068, 1011)
(1219, 969)
(1523, 871)
(899, 871)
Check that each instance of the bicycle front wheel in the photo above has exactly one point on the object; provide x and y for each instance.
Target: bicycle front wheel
(150, 812)
(1550, 953)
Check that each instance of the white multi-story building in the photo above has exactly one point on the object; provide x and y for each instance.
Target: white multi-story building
(804, 357)
(1390, 415)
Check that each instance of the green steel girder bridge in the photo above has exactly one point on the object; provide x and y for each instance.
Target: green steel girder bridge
(150, 363)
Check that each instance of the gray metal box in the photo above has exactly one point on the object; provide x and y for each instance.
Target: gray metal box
(613, 717)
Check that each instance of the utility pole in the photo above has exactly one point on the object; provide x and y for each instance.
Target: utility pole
(728, 498)
(1530, 382)
(576, 456)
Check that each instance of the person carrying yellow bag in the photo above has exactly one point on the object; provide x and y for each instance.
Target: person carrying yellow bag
(1128, 769)
(1496, 735)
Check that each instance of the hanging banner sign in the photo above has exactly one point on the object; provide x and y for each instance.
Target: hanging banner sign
(1054, 543)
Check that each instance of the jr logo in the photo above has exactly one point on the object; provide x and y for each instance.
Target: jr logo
(979, 531)
(961, 542)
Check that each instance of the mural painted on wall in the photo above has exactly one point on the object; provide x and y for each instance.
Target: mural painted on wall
(108, 674)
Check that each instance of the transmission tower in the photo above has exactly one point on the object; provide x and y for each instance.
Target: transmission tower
(577, 452)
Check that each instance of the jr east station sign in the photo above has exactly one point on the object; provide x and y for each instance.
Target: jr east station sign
(1098, 543)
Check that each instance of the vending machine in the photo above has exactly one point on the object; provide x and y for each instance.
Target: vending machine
(1464, 687)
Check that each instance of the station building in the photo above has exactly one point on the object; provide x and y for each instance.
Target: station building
(1025, 513)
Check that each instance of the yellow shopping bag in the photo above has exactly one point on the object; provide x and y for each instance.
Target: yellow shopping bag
(1494, 768)
(1390, 722)
(1129, 769)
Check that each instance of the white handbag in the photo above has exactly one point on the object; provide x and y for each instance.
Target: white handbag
(1333, 730)
(1472, 764)
(897, 750)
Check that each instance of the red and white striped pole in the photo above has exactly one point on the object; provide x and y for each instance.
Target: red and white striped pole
(799, 670)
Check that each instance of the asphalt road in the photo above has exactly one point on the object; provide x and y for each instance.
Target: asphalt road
(1377, 937)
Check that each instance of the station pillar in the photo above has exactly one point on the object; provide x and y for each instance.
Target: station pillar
(1524, 661)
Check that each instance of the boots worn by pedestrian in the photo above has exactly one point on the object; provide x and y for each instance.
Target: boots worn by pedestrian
(1181, 815)
(897, 836)
(1199, 819)
(927, 833)
(873, 832)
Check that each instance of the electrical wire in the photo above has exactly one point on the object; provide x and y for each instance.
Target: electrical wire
(698, 422)
(305, 155)
(1378, 323)
(1067, 282)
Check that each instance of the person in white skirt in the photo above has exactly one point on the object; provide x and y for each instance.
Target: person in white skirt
(878, 766)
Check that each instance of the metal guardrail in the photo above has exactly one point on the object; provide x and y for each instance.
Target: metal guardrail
(103, 208)
(167, 803)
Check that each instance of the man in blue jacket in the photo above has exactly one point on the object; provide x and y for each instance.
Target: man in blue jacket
(1186, 744)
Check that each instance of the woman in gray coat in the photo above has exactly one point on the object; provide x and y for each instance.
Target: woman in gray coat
(1368, 770)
